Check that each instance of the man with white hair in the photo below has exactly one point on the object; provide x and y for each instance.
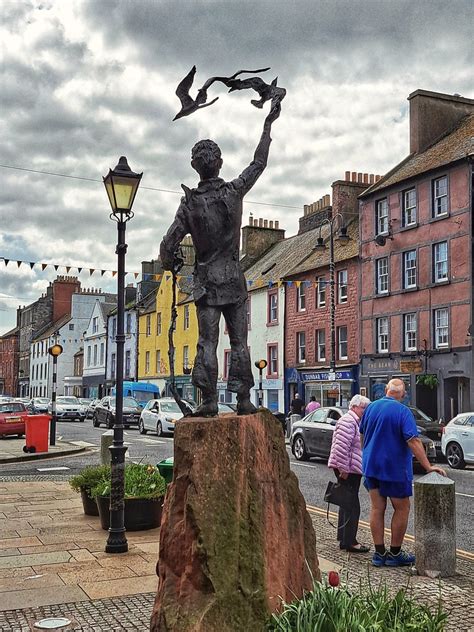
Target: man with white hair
(390, 437)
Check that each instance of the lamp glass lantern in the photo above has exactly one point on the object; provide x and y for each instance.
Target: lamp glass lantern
(343, 238)
(320, 245)
(55, 350)
(121, 185)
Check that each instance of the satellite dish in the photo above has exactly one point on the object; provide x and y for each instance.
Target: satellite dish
(380, 240)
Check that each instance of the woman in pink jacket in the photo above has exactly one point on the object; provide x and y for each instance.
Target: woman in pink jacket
(346, 461)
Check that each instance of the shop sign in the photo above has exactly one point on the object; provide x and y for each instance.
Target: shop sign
(221, 386)
(411, 366)
(272, 384)
(326, 376)
(382, 364)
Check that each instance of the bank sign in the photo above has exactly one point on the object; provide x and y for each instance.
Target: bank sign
(326, 376)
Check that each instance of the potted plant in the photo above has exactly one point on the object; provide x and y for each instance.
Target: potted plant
(85, 481)
(428, 379)
(144, 492)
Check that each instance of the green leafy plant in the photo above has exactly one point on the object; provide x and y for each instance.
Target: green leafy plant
(428, 379)
(89, 478)
(141, 481)
(328, 609)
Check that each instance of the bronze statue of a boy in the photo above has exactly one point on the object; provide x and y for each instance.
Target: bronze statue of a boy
(212, 214)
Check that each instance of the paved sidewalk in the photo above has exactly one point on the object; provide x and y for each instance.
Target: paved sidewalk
(52, 563)
(11, 450)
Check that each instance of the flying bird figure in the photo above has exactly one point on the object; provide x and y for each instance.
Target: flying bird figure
(266, 91)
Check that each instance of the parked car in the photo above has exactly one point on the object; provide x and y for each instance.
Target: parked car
(433, 428)
(84, 402)
(312, 435)
(104, 412)
(12, 418)
(159, 415)
(39, 405)
(457, 441)
(67, 407)
(91, 407)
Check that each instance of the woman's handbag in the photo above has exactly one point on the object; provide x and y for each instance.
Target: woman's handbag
(340, 495)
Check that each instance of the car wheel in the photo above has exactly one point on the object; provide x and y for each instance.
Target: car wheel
(455, 456)
(159, 429)
(299, 449)
(141, 427)
(95, 421)
(109, 423)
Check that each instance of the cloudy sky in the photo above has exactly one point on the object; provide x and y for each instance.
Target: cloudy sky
(84, 82)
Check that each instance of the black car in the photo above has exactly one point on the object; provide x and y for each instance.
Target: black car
(432, 428)
(312, 435)
(104, 412)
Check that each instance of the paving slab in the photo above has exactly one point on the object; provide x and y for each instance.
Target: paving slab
(6, 543)
(34, 560)
(30, 582)
(40, 597)
(120, 587)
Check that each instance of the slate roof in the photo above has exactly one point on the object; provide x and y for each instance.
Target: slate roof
(453, 146)
(51, 328)
(295, 255)
(106, 309)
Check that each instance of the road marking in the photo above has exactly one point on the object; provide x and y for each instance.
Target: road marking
(466, 495)
(51, 469)
(302, 464)
(84, 444)
(468, 555)
(149, 441)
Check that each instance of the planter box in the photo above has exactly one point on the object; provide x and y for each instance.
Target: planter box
(89, 504)
(140, 513)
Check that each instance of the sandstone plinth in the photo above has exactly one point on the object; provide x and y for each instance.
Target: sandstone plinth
(235, 534)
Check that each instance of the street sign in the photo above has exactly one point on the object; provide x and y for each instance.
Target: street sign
(331, 376)
(411, 366)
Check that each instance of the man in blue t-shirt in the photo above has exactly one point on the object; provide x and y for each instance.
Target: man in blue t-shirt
(390, 439)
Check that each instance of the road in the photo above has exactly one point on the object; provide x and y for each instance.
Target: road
(312, 475)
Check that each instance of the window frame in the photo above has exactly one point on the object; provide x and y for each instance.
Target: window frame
(301, 297)
(436, 328)
(341, 342)
(128, 363)
(406, 271)
(381, 221)
(436, 262)
(379, 276)
(158, 323)
(225, 375)
(272, 347)
(186, 357)
(147, 362)
(382, 348)
(186, 320)
(148, 325)
(321, 286)
(320, 357)
(272, 295)
(407, 332)
(342, 287)
(300, 356)
(408, 209)
(158, 361)
(435, 213)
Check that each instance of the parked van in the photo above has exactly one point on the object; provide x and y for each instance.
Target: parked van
(141, 391)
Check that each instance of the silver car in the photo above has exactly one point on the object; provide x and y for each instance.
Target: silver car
(67, 407)
(159, 415)
(457, 441)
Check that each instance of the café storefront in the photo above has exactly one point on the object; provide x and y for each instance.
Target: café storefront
(329, 388)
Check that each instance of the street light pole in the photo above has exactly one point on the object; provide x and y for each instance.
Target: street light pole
(121, 185)
(260, 364)
(343, 238)
(54, 351)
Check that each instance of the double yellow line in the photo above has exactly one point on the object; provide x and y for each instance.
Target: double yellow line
(460, 553)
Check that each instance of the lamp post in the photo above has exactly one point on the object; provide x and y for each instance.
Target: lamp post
(54, 351)
(260, 364)
(121, 185)
(343, 239)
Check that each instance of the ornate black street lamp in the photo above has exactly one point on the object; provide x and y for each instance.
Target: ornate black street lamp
(343, 238)
(121, 185)
(260, 364)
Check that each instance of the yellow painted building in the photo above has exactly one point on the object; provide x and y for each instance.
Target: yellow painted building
(154, 322)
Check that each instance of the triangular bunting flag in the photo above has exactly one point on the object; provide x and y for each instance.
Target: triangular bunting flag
(270, 283)
(18, 263)
(68, 268)
(298, 283)
(250, 282)
(289, 283)
(44, 266)
(32, 264)
(135, 274)
(114, 272)
(79, 270)
(91, 271)
(102, 272)
(7, 261)
(168, 277)
(56, 267)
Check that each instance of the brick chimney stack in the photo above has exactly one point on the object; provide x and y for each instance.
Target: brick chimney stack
(259, 236)
(433, 114)
(345, 193)
(313, 214)
(63, 287)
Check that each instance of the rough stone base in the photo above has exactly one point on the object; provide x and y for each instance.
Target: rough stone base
(236, 536)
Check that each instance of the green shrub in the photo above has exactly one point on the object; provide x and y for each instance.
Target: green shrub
(89, 477)
(327, 609)
(141, 481)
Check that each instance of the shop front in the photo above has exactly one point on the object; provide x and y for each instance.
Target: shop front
(330, 388)
(376, 373)
(185, 388)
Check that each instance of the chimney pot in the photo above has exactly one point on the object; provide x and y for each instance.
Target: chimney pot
(371, 178)
(271, 223)
(354, 177)
(366, 178)
(260, 222)
(377, 178)
(277, 223)
(359, 177)
(348, 176)
(265, 223)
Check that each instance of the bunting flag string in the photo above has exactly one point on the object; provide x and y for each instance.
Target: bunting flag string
(251, 283)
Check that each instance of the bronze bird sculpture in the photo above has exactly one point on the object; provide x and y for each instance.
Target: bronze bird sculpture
(188, 104)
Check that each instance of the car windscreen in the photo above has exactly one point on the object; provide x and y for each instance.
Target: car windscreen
(169, 407)
(67, 400)
(131, 402)
(41, 400)
(12, 407)
(144, 396)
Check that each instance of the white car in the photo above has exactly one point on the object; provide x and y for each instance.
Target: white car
(457, 441)
(67, 407)
(159, 415)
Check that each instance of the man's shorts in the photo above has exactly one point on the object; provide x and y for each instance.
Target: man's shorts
(389, 489)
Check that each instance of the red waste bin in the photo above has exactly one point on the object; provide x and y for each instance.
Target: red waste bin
(36, 433)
